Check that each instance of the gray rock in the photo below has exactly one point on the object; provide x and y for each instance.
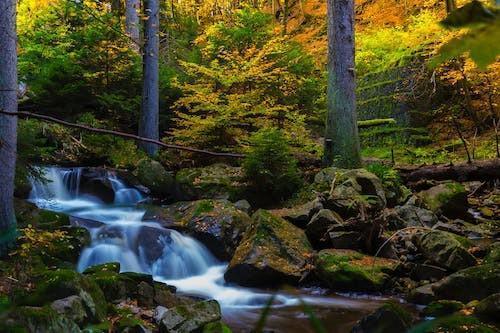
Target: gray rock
(345, 240)
(301, 215)
(244, 206)
(389, 318)
(317, 228)
(489, 308)
(409, 216)
(422, 294)
(449, 199)
(145, 294)
(189, 318)
(72, 307)
(422, 272)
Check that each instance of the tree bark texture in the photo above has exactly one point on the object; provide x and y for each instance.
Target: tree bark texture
(149, 122)
(341, 134)
(8, 124)
(132, 8)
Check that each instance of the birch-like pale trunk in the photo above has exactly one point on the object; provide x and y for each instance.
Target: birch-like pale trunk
(8, 124)
(132, 8)
(149, 122)
(341, 133)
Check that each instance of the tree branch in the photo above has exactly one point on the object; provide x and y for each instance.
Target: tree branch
(26, 114)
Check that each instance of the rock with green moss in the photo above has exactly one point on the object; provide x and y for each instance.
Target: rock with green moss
(489, 308)
(218, 224)
(107, 267)
(217, 181)
(301, 215)
(153, 175)
(391, 317)
(72, 307)
(422, 294)
(349, 270)
(62, 283)
(68, 248)
(38, 320)
(469, 284)
(493, 253)
(189, 318)
(29, 214)
(454, 324)
(449, 199)
(217, 327)
(272, 252)
(446, 249)
(409, 215)
(442, 308)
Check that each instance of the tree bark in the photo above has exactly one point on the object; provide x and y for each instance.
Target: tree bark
(8, 124)
(341, 133)
(132, 22)
(149, 123)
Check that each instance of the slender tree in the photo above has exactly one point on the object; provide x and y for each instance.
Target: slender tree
(149, 122)
(341, 133)
(132, 22)
(8, 124)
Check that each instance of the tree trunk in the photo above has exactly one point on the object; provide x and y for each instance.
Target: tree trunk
(341, 133)
(132, 22)
(8, 124)
(148, 126)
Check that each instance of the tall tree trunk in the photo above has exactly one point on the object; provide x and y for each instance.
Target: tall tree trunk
(132, 22)
(149, 123)
(450, 6)
(285, 18)
(8, 124)
(341, 133)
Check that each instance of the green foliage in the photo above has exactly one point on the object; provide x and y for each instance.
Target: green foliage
(269, 167)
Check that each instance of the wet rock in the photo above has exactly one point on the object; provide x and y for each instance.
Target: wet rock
(345, 240)
(455, 324)
(273, 251)
(218, 224)
(151, 241)
(422, 294)
(68, 248)
(165, 296)
(317, 228)
(217, 181)
(302, 214)
(72, 307)
(469, 284)
(489, 308)
(244, 206)
(99, 187)
(217, 327)
(442, 308)
(445, 250)
(108, 267)
(409, 216)
(153, 175)
(189, 318)
(389, 318)
(353, 271)
(28, 213)
(449, 199)
(145, 295)
(448, 228)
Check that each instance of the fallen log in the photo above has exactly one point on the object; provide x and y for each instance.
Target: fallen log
(480, 170)
(26, 114)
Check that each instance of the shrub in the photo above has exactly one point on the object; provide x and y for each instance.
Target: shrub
(269, 167)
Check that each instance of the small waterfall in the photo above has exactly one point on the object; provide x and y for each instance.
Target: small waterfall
(124, 195)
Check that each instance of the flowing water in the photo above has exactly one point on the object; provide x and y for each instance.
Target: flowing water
(119, 234)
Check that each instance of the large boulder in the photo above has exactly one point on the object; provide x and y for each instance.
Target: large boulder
(449, 199)
(354, 190)
(189, 318)
(300, 215)
(493, 253)
(38, 320)
(218, 224)
(353, 271)
(152, 174)
(489, 308)
(72, 307)
(409, 215)
(391, 317)
(442, 308)
(473, 283)
(217, 181)
(273, 251)
(28, 213)
(445, 249)
(61, 283)
(457, 323)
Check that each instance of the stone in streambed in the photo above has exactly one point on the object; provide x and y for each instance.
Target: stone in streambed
(352, 271)
(317, 228)
(489, 308)
(391, 317)
(153, 175)
(442, 308)
(188, 318)
(302, 214)
(449, 199)
(272, 252)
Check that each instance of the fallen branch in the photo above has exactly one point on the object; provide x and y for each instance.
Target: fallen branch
(27, 114)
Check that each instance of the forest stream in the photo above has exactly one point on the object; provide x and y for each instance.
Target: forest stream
(120, 234)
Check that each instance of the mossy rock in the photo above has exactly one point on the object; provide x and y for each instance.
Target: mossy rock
(391, 317)
(190, 318)
(273, 251)
(218, 224)
(454, 324)
(217, 181)
(68, 248)
(62, 283)
(353, 271)
(449, 199)
(469, 284)
(446, 249)
(29, 214)
(108, 267)
(489, 308)
(217, 327)
(442, 308)
(38, 320)
(153, 175)
(493, 253)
